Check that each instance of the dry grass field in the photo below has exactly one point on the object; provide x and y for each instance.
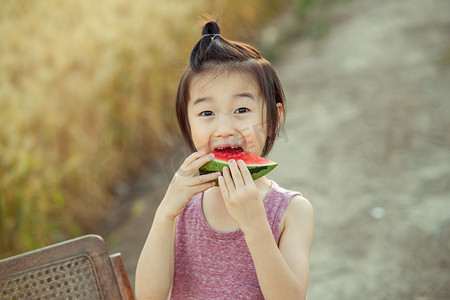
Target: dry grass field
(86, 95)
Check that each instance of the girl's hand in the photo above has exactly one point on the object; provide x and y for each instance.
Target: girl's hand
(185, 184)
(241, 196)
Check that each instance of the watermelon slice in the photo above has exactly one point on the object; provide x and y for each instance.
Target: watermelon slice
(257, 166)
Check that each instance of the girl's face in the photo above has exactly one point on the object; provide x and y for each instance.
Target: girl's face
(226, 110)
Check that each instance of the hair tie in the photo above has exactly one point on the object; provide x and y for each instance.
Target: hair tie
(213, 35)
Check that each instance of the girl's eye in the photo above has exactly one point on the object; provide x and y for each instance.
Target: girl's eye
(241, 110)
(206, 113)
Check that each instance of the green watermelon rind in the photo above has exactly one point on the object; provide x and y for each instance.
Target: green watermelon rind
(257, 171)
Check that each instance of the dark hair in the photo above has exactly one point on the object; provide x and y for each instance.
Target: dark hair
(215, 53)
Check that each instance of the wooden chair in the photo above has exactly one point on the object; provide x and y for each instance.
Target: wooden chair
(76, 269)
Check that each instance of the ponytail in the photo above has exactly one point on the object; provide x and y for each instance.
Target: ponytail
(210, 32)
(212, 47)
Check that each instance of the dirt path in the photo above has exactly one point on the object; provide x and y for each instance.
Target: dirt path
(367, 141)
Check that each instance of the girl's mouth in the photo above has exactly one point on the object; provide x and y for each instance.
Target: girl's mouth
(229, 148)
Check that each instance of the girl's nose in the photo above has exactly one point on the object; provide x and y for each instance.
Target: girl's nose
(225, 128)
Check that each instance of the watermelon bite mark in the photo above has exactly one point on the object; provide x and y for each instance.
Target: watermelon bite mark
(257, 166)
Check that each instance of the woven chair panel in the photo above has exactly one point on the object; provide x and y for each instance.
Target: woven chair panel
(74, 278)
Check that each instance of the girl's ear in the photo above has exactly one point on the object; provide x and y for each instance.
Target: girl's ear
(280, 114)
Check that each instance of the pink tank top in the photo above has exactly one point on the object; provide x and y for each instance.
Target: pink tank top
(215, 265)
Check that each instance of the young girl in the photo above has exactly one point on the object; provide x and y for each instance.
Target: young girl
(240, 239)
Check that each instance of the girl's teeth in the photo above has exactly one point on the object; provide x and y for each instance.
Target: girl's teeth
(232, 147)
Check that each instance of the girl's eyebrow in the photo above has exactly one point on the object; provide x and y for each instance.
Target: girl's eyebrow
(200, 100)
(245, 95)
(240, 95)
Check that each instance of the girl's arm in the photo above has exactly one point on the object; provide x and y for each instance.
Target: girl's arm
(283, 271)
(155, 269)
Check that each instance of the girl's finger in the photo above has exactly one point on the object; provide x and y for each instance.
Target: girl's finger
(191, 158)
(223, 188)
(227, 179)
(246, 175)
(204, 178)
(236, 173)
(192, 165)
(202, 187)
(196, 164)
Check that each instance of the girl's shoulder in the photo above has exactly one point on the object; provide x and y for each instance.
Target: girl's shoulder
(280, 191)
(298, 205)
(299, 215)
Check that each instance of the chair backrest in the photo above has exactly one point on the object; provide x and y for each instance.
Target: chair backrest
(76, 269)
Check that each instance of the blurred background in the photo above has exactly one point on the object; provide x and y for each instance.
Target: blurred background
(86, 102)
(89, 141)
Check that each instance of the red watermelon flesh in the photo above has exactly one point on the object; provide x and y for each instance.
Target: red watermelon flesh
(258, 166)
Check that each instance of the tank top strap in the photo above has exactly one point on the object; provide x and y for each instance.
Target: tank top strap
(276, 202)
